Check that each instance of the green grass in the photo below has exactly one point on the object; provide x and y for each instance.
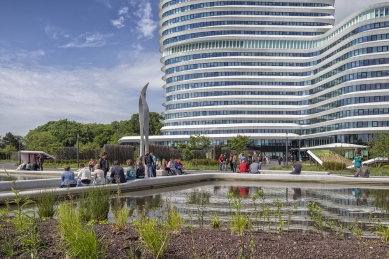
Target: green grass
(321, 152)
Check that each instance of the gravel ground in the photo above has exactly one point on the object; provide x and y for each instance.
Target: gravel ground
(220, 243)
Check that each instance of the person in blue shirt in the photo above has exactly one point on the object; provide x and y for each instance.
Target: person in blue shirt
(357, 164)
(131, 171)
(67, 178)
(177, 167)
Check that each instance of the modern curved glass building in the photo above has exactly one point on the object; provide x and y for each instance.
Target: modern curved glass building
(267, 68)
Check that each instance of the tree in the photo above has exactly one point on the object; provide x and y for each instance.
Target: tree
(199, 142)
(13, 140)
(239, 143)
(154, 126)
(8, 150)
(379, 145)
(42, 141)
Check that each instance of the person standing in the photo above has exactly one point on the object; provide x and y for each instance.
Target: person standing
(91, 164)
(242, 158)
(41, 160)
(255, 157)
(104, 164)
(224, 166)
(149, 164)
(234, 161)
(220, 161)
(279, 160)
(154, 164)
(268, 159)
(357, 164)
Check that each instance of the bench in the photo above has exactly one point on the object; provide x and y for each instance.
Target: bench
(162, 173)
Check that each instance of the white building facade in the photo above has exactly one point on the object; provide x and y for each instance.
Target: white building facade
(267, 68)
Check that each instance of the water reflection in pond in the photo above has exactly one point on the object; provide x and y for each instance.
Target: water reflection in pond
(340, 205)
(4, 177)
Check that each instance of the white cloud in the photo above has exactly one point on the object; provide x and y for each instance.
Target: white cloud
(34, 95)
(118, 23)
(51, 32)
(123, 11)
(145, 25)
(88, 40)
(107, 3)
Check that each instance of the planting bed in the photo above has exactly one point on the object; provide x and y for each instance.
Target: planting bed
(220, 243)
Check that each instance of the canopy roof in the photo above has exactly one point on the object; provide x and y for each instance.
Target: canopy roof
(30, 152)
(335, 145)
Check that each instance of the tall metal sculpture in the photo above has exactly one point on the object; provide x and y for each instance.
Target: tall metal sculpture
(144, 119)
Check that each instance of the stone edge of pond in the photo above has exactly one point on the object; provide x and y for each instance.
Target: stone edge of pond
(161, 182)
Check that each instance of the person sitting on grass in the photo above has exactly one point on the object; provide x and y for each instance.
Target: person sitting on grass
(131, 171)
(297, 168)
(365, 171)
(140, 169)
(99, 175)
(67, 178)
(117, 173)
(84, 176)
(243, 167)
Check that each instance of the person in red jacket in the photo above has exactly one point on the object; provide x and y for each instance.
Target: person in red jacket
(243, 167)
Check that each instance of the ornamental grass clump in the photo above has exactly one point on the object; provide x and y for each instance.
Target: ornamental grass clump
(173, 221)
(80, 240)
(94, 204)
(46, 204)
(155, 238)
(120, 216)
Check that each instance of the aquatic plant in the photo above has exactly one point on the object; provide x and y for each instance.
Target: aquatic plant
(215, 223)
(120, 216)
(173, 220)
(238, 222)
(315, 212)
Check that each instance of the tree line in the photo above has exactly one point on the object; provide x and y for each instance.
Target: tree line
(63, 133)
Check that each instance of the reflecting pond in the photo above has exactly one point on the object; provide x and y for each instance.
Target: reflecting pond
(343, 206)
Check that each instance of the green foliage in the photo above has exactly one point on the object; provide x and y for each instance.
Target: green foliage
(379, 145)
(8, 150)
(215, 223)
(120, 216)
(336, 166)
(42, 141)
(173, 221)
(239, 143)
(239, 222)
(195, 142)
(94, 204)
(315, 212)
(155, 238)
(46, 204)
(80, 240)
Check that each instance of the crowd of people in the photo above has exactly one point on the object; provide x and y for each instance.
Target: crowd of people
(252, 164)
(37, 164)
(100, 172)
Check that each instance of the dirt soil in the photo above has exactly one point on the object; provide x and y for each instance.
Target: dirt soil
(220, 243)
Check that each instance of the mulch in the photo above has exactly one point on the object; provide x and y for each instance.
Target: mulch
(220, 243)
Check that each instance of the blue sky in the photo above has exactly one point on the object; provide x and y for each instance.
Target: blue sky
(84, 60)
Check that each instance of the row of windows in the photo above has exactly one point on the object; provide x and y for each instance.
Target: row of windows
(192, 7)
(228, 93)
(325, 107)
(216, 23)
(275, 54)
(290, 64)
(350, 65)
(338, 126)
(340, 91)
(218, 103)
(281, 44)
(324, 118)
(222, 3)
(236, 32)
(315, 90)
(348, 113)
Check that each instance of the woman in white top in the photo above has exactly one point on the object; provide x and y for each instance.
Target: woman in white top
(99, 175)
(84, 176)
